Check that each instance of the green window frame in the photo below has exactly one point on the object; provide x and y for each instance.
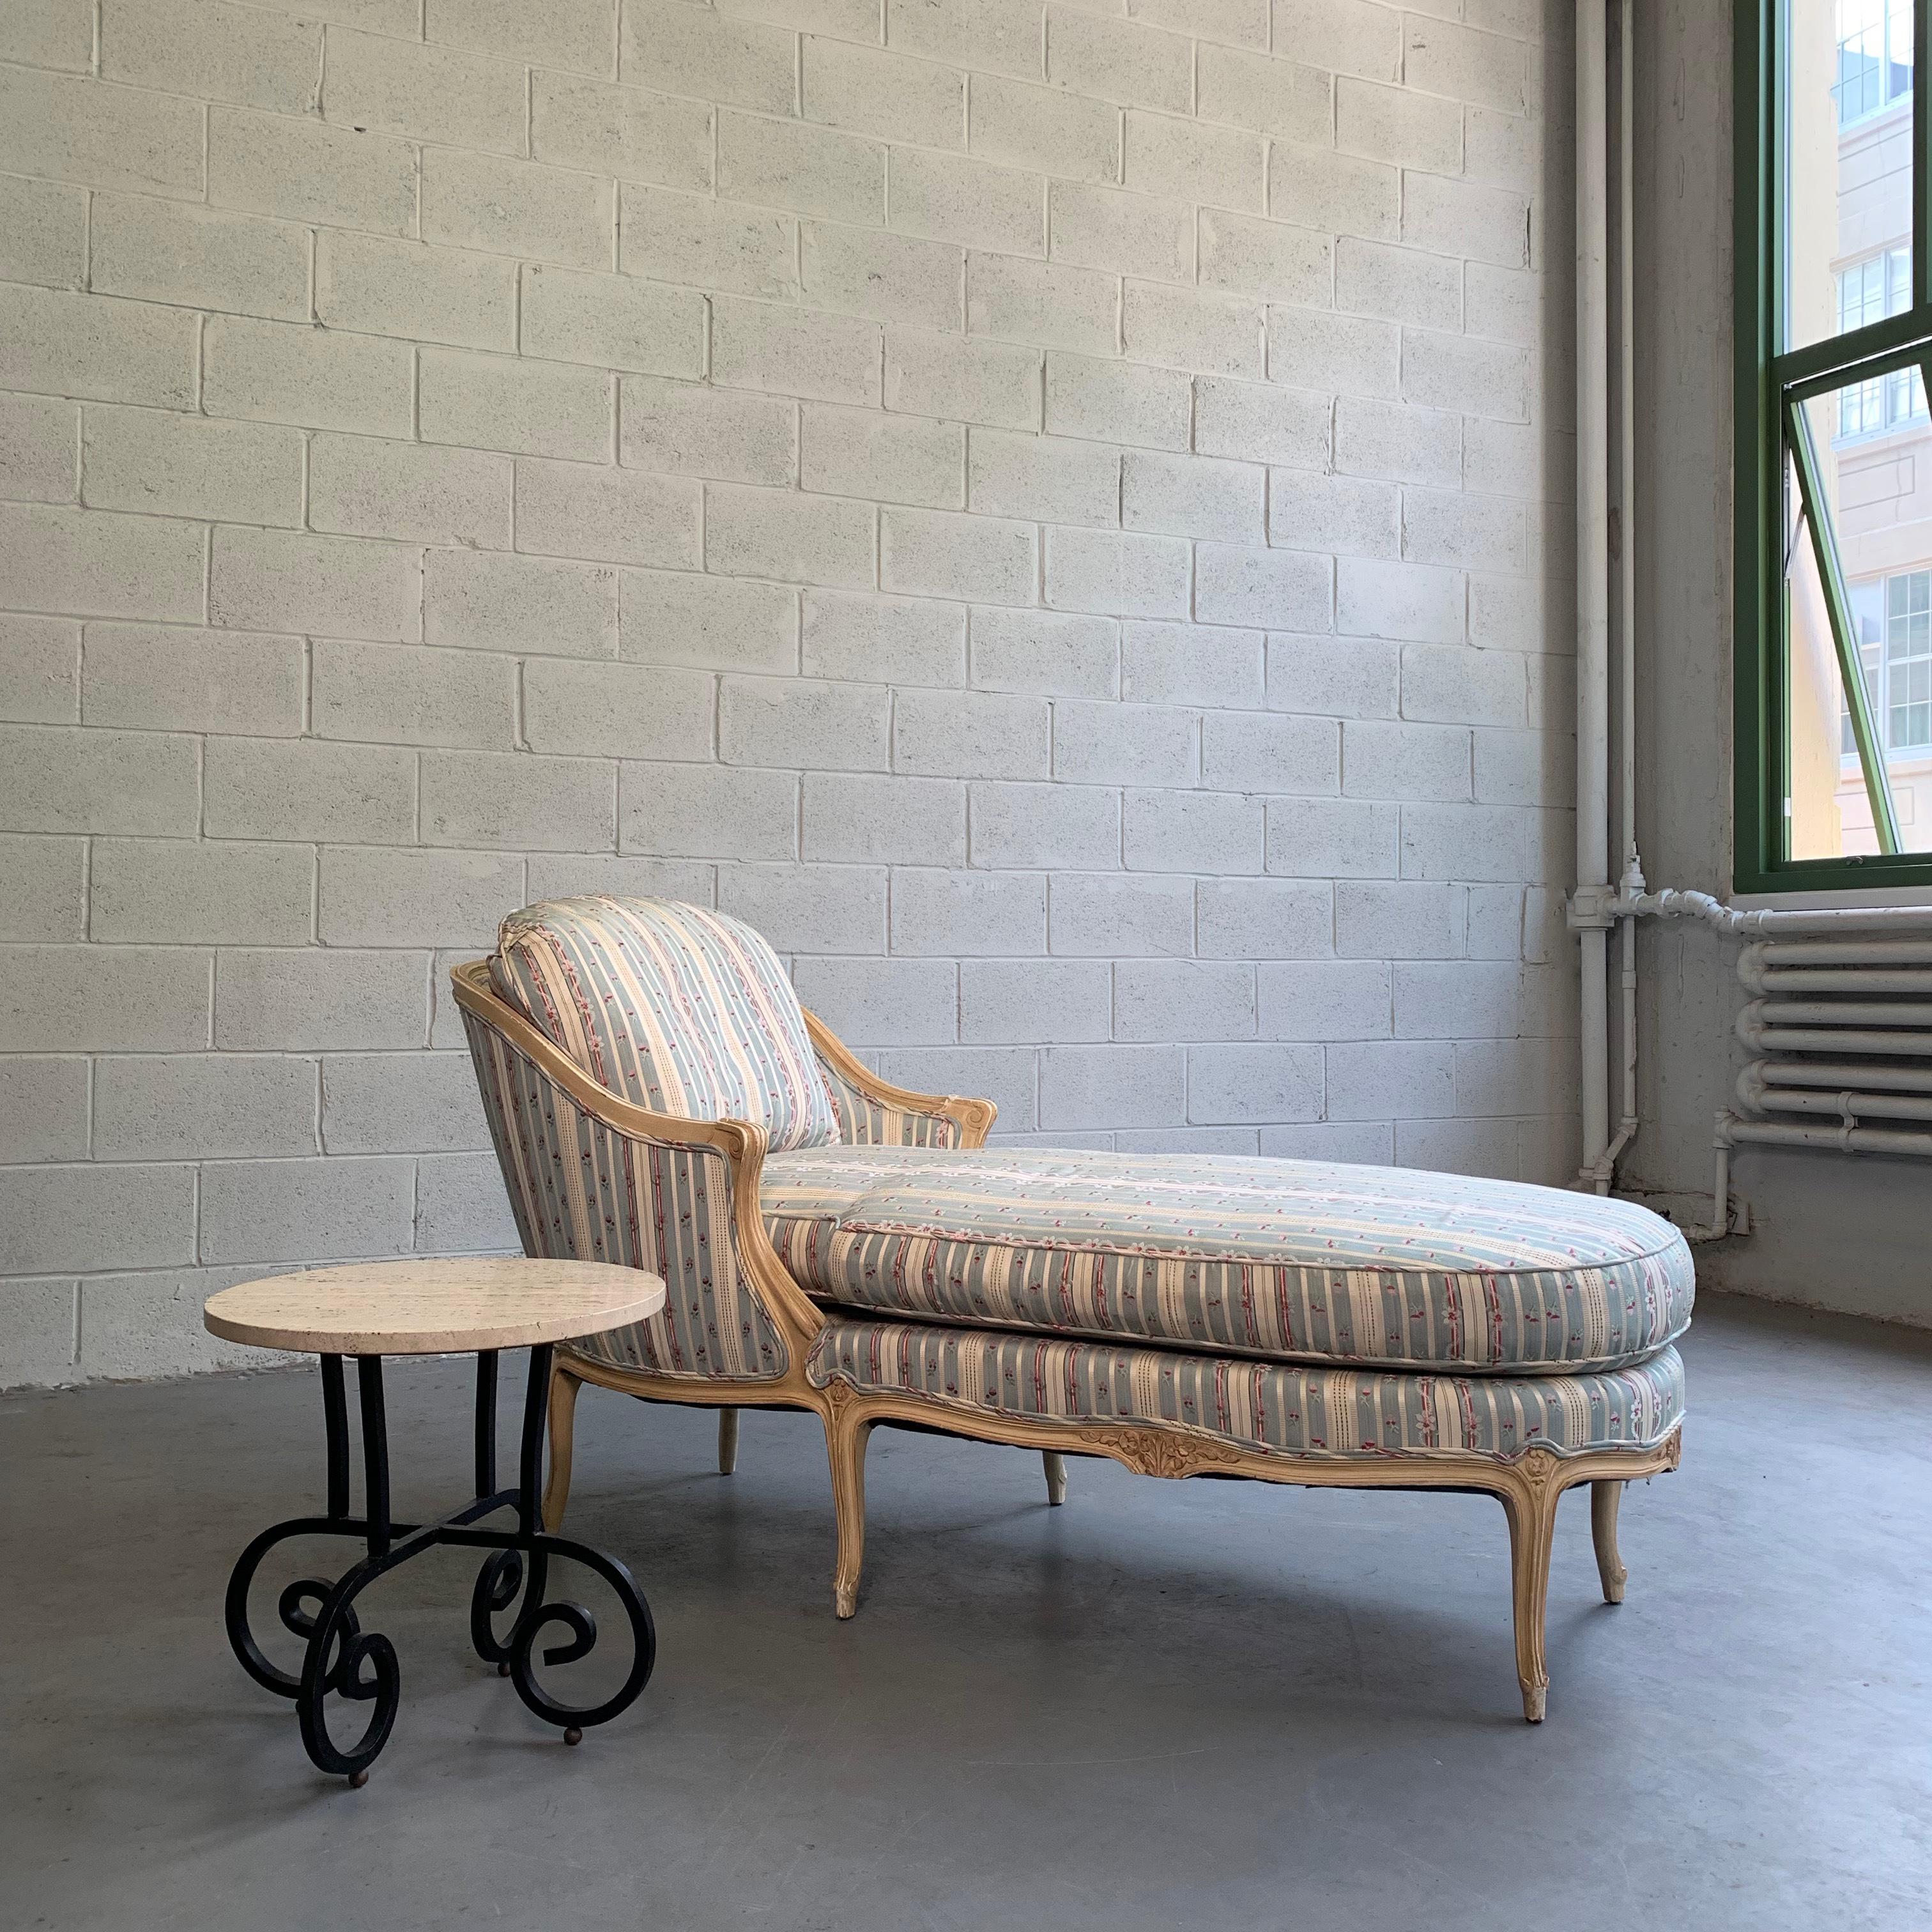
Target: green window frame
(1776, 453)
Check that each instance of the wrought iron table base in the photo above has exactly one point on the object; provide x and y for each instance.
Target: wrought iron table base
(338, 1651)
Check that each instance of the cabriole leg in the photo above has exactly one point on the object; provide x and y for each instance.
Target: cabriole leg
(846, 1435)
(727, 1440)
(1056, 1476)
(563, 1390)
(1530, 1503)
(1604, 1499)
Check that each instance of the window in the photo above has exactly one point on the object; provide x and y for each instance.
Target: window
(1874, 57)
(1833, 541)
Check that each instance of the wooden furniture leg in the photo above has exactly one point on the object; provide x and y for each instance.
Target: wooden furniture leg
(563, 1392)
(847, 1431)
(1056, 1476)
(1605, 1495)
(727, 1440)
(1530, 1503)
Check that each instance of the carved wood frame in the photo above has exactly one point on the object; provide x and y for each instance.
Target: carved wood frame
(1528, 1486)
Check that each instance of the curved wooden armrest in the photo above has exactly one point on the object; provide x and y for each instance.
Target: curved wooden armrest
(974, 1118)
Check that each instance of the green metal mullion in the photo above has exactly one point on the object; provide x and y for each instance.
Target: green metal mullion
(1921, 160)
(1880, 361)
(1825, 548)
(1832, 358)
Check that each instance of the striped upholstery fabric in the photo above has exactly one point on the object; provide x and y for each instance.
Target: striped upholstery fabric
(1292, 1260)
(678, 1009)
(865, 1122)
(582, 1191)
(1275, 1407)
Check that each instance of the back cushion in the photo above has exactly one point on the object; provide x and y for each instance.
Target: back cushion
(680, 1009)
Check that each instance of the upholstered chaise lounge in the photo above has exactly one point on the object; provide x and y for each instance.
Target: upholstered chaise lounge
(657, 1097)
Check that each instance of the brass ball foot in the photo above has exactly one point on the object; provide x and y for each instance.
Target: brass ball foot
(357, 1779)
(503, 1670)
(573, 1735)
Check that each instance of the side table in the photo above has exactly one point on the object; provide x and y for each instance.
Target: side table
(369, 1310)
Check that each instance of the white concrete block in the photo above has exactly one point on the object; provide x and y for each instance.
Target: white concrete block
(613, 322)
(1183, 999)
(1125, 744)
(508, 207)
(961, 914)
(1264, 918)
(1334, 194)
(891, 458)
(60, 779)
(1261, 1084)
(400, 1103)
(1270, 752)
(1274, 589)
(1316, 838)
(852, 817)
(938, 553)
(1481, 379)
(1025, 1002)
(211, 51)
(1367, 1142)
(340, 586)
(372, 895)
(1338, 677)
(582, 510)
(529, 408)
(45, 884)
(970, 734)
(43, 233)
(424, 92)
(783, 533)
(304, 170)
(342, 1208)
(1118, 575)
(1050, 304)
(1213, 334)
(1112, 401)
(365, 794)
(60, 344)
(1045, 128)
(955, 198)
(42, 1108)
(1441, 57)
(1354, 36)
(577, 121)
(187, 891)
(780, 722)
(1325, 1000)
(40, 670)
(1191, 663)
(1400, 124)
(1382, 1080)
(1124, 916)
(707, 54)
(1273, 95)
(513, 800)
(1192, 832)
(616, 711)
(576, 34)
(837, 909)
(1105, 228)
(198, 258)
(1400, 444)
(709, 812)
(1403, 285)
(90, 563)
(1194, 496)
(709, 621)
(1119, 60)
(1195, 161)
(320, 378)
(867, 90)
(74, 128)
(708, 244)
(765, 346)
(482, 600)
(695, 430)
(1031, 827)
(883, 639)
(996, 383)
(154, 677)
(1003, 36)
(1406, 921)
(870, 1003)
(182, 466)
(1465, 530)
(203, 1106)
(1007, 1076)
(1041, 651)
(1309, 348)
(55, 1218)
(297, 1000)
(381, 693)
(359, 486)
(1351, 517)
(1381, 759)
(1112, 1087)
(1243, 253)
(105, 999)
(1049, 479)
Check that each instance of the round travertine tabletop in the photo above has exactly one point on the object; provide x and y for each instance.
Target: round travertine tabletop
(432, 1307)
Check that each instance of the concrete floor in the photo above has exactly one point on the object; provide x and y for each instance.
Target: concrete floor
(1207, 1705)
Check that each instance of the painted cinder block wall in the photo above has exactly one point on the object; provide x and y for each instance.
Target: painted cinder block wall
(1055, 514)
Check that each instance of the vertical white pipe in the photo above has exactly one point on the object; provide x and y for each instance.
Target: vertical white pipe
(1593, 563)
(1631, 877)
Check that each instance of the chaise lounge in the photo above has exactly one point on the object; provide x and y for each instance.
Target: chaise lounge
(657, 1097)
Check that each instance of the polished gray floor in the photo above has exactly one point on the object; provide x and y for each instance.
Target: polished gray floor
(1201, 1705)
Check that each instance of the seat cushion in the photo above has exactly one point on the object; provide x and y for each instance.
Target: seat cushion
(1276, 1408)
(677, 1008)
(1293, 1260)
